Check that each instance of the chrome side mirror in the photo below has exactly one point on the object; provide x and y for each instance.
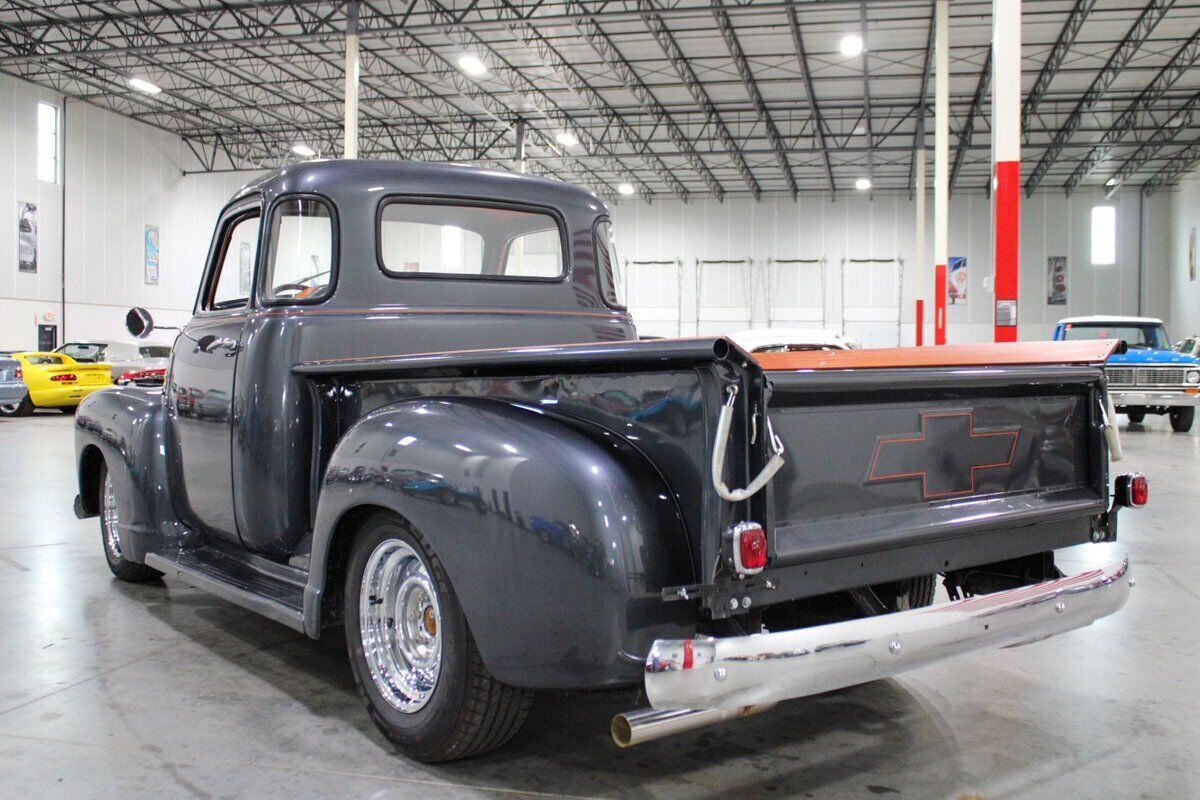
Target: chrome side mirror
(139, 322)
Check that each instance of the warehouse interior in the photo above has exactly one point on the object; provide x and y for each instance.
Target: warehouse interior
(883, 173)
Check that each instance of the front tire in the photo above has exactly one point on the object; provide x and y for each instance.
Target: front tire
(1182, 418)
(1136, 414)
(412, 654)
(110, 536)
(21, 409)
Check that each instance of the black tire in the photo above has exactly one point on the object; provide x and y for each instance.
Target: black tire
(1136, 414)
(68, 409)
(121, 567)
(468, 712)
(21, 409)
(1182, 418)
(916, 592)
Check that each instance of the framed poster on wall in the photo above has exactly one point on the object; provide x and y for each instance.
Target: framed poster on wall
(151, 240)
(956, 281)
(1056, 280)
(27, 223)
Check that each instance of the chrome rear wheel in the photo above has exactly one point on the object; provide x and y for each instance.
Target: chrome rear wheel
(400, 625)
(109, 518)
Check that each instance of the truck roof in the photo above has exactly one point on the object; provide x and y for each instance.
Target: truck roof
(391, 176)
(1102, 319)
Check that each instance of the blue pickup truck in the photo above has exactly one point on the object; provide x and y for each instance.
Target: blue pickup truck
(1149, 377)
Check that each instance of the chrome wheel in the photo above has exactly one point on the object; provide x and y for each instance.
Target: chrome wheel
(400, 624)
(8, 408)
(108, 515)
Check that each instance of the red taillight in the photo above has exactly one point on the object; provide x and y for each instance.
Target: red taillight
(126, 378)
(66, 376)
(20, 373)
(1139, 491)
(749, 548)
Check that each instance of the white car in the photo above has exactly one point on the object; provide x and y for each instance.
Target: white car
(791, 340)
(123, 356)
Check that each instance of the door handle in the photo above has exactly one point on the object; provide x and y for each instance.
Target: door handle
(211, 344)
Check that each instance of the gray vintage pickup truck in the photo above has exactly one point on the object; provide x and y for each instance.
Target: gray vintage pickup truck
(411, 408)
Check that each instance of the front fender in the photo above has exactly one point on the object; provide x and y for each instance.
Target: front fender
(557, 536)
(125, 427)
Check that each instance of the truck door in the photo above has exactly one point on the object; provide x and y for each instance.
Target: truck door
(202, 374)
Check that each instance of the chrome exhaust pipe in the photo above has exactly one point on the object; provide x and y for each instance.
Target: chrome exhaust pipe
(648, 724)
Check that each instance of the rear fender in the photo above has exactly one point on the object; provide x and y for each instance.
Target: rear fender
(557, 536)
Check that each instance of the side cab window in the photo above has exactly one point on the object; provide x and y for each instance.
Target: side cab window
(231, 271)
(301, 261)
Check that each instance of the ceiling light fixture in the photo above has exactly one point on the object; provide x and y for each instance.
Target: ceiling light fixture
(143, 85)
(303, 150)
(625, 188)
(852, 45)
(472, 65)
(566, 139)
(862, 184)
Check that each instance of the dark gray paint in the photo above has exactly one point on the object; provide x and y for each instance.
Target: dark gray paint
(559, 551)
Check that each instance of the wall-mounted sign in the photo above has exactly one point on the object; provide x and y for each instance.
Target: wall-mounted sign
(956, 282)
(27, 224)
(151, 247)
(1056, 280)
(1006, 313)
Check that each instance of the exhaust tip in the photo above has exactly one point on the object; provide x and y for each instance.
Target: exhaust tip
(621, 730)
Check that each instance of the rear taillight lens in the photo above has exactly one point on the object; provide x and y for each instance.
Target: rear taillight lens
(1139, 490)
(66, 376)
(20, 373)
(749, 545)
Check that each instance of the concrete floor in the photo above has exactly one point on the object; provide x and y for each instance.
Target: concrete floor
(118, 690)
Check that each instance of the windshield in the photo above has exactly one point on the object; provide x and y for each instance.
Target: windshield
(155, 351)
(1144, 337)
(83, 352)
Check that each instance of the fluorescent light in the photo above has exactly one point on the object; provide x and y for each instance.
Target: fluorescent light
(1111, 182)
(472, 65)
(862, 184)
(625, 188)
(303, 150)
(566, 139)
(143, 85)
(852, 45)
(860, 130)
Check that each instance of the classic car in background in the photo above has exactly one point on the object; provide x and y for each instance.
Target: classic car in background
(791, 340)
(143, 377)
(57, 381)
(1149, 377)
(13, 392)
(122, 356)
(1189, 346)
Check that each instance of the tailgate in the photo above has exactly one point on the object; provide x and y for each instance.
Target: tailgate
(889, 458)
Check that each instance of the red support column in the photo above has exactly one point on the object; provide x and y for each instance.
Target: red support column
(920, 316)
(941, 165)
(939, 304)
(1006, 166)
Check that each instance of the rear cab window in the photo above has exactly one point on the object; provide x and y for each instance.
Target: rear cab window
(426, 238)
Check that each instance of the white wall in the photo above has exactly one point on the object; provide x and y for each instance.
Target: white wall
(1184, 290)
(119, 176)
(855, 227)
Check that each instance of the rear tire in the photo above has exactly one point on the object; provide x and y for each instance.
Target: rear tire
(68, 409)
(1136, 414)
(21, 409)
(110, 536)
(1182, 418)
(916, 592)
(424, 683)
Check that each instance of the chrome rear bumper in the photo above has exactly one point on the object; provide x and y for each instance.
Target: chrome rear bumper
(1150, 397)
(758, 670)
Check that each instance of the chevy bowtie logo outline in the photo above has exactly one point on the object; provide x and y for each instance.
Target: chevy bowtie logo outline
(950, 437)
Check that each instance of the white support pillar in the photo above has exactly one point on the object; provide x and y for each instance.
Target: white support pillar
(921, 282)
(1006, 164)
(941, 167)
(350, 135)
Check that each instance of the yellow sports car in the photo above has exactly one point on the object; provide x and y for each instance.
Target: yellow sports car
(57, 381)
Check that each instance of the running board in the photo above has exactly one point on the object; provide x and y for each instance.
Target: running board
(268, 595)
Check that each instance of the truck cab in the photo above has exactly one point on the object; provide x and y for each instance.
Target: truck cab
(1150, 377)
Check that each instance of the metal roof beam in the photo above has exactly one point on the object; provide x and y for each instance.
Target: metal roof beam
(1066, 38)
(1142, 27)
(666, 40)
(1161, 137)
(1176, 68)
(919, 133)
(725, 24)
(819, 127)
(1180, 163)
